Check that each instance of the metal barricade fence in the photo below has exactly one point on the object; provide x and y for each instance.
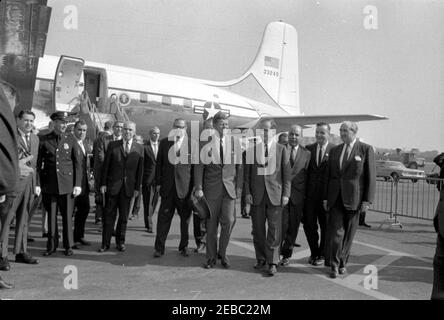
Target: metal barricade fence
(407, 197)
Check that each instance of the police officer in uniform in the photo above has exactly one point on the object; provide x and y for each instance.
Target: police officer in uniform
(59, 175)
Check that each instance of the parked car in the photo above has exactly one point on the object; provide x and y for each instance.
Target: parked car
(434, 174)
(396, 170)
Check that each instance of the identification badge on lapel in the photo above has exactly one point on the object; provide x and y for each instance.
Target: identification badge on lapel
(358, 158)
(65, 146)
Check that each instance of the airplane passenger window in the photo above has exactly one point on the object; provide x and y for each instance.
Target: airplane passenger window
(143, 97)
(187, 103)
(166, 100)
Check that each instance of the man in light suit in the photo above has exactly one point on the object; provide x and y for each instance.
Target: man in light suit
(173, 180)
(150, 197)
(220, 182)
(81, 203)
(268, 182)
(314, 212)
(350, 188)
(299, 158)
(121, 180)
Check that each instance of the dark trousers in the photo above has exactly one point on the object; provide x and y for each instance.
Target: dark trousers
(315, 214)
(438, 270)
(199, 229)
(113, 202)
(343, 224)
(22, 210)
(150, 199)
(291, 220)
(222, 212)
(267, 240)
(5, 219)
(166, 212)
(81, 203)
(136, 206)
(362, 217)
(65, 204)
(98, 199)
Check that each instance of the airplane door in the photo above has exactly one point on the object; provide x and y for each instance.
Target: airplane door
(66, 82)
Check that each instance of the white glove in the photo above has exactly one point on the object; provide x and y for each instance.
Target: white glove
(77, 191)
(37, 191)
(285, 201)
(2, 198)
(199, 193)
(103, 189)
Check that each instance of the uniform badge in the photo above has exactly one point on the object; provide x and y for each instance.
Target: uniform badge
(358, 158)
(66, 146)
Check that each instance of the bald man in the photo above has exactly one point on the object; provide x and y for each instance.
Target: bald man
(350, 189)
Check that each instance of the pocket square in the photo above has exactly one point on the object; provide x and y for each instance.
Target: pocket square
(358, 158)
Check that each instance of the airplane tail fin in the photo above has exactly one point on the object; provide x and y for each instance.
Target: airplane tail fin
(276, 66)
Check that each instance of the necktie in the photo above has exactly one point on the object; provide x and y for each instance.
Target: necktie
(266, 150)
(320, 156)
(345, 157)
(177, 146)
(82, 146)
(221, 151)
(127, 149)
(292, 156)
(28, 142)
(154, 150)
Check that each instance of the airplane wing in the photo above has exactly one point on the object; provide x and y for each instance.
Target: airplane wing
(284, 122)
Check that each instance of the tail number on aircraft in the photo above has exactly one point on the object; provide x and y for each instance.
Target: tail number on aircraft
(271, 73)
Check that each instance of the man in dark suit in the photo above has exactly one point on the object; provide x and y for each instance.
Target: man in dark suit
(268, 181)
(150, 197)
(173, 178)
(97, 164)
(8, 155)
(299, 158)
(314, 212)
(121, 180)
(81, 203)
(100, 147)
(220, 181)
(59, 175)
(350, 188)
(438, 222)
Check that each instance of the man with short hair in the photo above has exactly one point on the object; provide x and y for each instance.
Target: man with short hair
(121, 180)
(81, 202)
(59, 175)
(299, 158)
(314, 213)
(173, 180)
(99, 151)
(268, 181)
(150, 197)
(350, 188)
(220, 181)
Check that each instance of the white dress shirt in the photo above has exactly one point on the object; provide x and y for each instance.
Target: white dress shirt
(322, 150)
(349, 152)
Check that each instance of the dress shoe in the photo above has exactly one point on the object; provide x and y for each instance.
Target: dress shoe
(133, 217)
(45, 235)
(209, 264)
(48, 253)
(68, 252)
(184, 252)
(365, 225)
(150, 231)
(272, 270)
(103, 249)
(319, 261)
(284, 262)
(219, 256)
(334, 273)
(98, 220)
(259, 264)
(4, 264)
(83, 242)
(30, 239)
(121, 248)
(157, 254)
(5, 285)
(199, 247)
(342, 270)
(25, 258)
(311, 260)
(245, 216)
(297, 245)
(225, 263)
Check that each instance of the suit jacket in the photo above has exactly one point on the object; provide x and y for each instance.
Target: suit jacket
(8, 147)
(84, 166)
(213, 178)
(99, 151)
(356, 181)
(24, 152)
(149, 167)
(298, 174)
(122, 171)
(58, 164)
(316, 175)
(276, 184)
(169, 175)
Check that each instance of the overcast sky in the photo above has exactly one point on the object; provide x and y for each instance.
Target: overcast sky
(396, 70)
